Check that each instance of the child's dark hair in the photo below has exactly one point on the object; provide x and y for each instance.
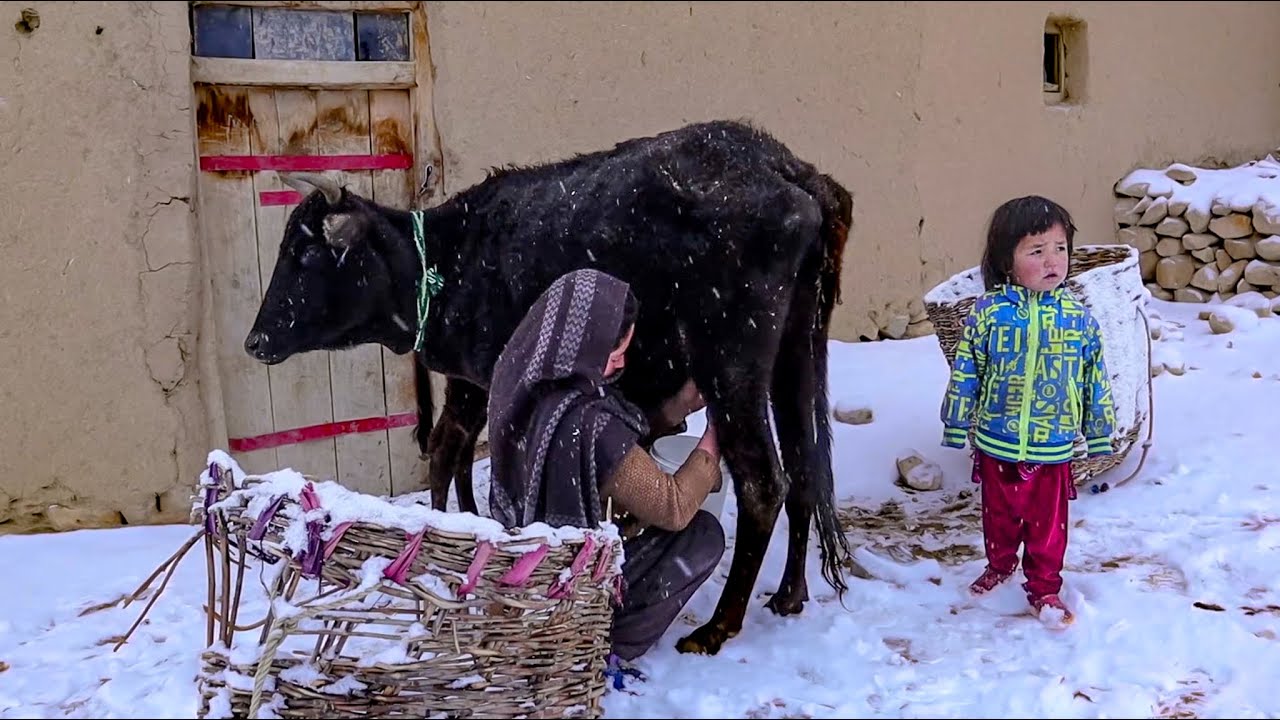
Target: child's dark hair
(630, 308)
(1014, 220)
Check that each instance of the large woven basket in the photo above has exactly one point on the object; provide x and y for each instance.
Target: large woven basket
(367, 617)
(1107, 280)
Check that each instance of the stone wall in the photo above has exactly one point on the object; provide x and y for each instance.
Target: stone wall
(1204, 234)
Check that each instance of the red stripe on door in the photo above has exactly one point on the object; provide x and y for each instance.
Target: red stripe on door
(268, 198)
(322, 431)
(294, 163)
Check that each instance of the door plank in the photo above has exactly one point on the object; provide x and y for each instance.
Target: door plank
(342, 127)
(227, 227)
(391, 131)
(300, 385)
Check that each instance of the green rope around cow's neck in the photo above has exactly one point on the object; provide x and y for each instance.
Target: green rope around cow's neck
(430, 284)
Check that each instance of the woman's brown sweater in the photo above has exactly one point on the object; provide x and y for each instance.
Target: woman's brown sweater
(644, 494)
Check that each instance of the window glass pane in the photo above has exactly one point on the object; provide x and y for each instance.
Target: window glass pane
(284, 34)
(382, 36)
(223, 31)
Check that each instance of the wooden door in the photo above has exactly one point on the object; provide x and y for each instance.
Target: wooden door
(345, 415)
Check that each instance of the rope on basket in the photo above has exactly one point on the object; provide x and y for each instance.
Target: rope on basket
(281, 627)
(1151, 411)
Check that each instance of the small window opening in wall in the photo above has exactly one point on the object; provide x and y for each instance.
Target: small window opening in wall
(1065, 61)
(287, 33)
(1052, 60)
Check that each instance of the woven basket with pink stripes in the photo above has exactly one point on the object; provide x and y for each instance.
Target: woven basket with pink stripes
(362, 606)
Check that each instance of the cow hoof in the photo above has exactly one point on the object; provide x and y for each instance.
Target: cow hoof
(706, 640)
(786, 604)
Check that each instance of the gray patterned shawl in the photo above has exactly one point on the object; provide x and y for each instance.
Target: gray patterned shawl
(557, 427)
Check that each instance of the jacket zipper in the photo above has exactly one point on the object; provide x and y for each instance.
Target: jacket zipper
(1028, 377)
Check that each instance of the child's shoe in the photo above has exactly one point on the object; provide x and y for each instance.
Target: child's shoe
(1052, 611)
(989, 580)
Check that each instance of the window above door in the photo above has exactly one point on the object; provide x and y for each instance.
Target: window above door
(266, 32)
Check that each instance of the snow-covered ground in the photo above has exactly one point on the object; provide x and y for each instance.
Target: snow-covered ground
(1174, 577)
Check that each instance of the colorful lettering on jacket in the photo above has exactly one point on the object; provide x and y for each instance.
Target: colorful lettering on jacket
(1029, 377)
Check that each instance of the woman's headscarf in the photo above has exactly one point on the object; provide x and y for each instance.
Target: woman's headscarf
(556, 430)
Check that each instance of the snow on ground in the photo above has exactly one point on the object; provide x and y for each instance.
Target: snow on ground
(1174, 576)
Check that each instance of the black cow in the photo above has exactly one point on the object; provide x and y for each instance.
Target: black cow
(730, 242)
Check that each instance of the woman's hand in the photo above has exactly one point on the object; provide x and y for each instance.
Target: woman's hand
(710, 442)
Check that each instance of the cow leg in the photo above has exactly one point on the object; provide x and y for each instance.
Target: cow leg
(801, 411)
(794, 397)
(451, 446)
(742, 426)
(473, 412)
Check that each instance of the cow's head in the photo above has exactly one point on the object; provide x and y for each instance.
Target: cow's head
(332, 286)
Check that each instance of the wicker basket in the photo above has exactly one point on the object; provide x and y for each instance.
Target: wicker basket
(1102, 277)
(364, 618)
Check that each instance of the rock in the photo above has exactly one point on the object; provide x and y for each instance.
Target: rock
(1175, 272)
(1243, 286)
(1275, 306)
(916, 311)
(892, 321)
(1206, 278)
(1268, 248)
(1266, 219)
(1230, 277)
(1172, 227)
(1158, 292)
(1240, 248)
(1206, 255)
(1220, 324)
(1157, 369)
(1223, 258)
(1142, 238)
(1132, 189)
(919, 329)
(63, 518)
(1158, 211)
(1168, 246)
(1198, 241)
(1260, 272)
(1147, 264)
(1227, 318)
(918, 473)
(1181, 173)
(1177, 207)
(1230, 226)
(1124, 212)
(1219, 209)
(1190, 295)
(1197, 219)
(854, 415)
(1253, 301)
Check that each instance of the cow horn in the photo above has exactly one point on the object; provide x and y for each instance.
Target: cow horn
(304, 182)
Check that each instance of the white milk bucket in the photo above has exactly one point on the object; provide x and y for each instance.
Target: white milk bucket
(670, 453)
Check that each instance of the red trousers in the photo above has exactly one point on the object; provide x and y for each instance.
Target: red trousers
(1025, 504)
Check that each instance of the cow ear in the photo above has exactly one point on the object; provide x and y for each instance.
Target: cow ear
(344, 230)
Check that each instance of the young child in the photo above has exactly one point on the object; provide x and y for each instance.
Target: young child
(1028, 375)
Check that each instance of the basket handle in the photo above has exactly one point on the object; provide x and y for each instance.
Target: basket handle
(1151, 401)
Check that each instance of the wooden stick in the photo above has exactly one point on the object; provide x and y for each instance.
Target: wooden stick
(225, 544)
(235, 604)
(173, 566)
(176, 556)
(208, 558)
